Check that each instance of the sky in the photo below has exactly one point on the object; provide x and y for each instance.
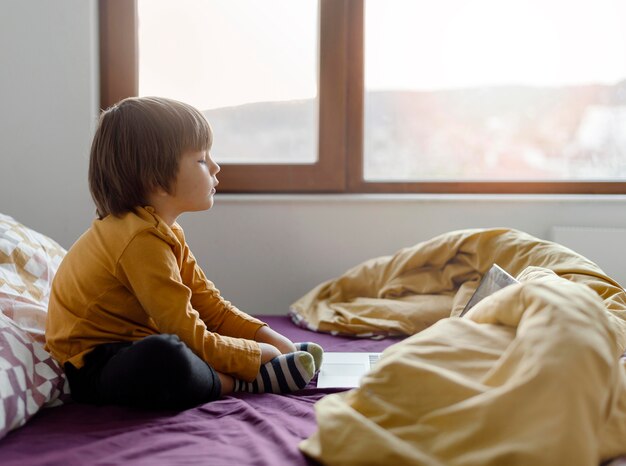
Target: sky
(219, 53)
(216, 53)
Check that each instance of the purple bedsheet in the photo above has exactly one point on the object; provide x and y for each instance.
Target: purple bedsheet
(242, 429)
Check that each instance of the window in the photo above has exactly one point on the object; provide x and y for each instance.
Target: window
(321, 168)
(389, 95)
(259, 93)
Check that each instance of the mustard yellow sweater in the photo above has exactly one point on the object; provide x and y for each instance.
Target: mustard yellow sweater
(134, 276)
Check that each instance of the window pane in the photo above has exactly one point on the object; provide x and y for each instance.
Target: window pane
(495, 90)
(250, 66)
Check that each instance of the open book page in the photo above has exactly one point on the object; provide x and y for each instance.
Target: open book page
(345, 369)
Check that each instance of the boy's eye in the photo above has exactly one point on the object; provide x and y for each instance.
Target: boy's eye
(202, 161)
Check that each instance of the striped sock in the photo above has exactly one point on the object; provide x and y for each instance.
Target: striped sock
(285, 373)
(314, 349)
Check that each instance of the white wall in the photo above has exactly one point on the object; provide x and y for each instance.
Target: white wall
(263, 252)
(48, 108)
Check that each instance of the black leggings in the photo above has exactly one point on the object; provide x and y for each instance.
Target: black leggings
(159, 371)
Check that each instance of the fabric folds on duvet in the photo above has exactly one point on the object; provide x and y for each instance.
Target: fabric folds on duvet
(410, 290)
(531, 375)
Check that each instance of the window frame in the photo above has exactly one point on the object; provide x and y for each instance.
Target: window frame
(339, 168)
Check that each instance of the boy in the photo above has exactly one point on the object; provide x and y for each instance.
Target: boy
(132, 318)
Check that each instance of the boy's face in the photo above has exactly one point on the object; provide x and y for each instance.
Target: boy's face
(195, 183)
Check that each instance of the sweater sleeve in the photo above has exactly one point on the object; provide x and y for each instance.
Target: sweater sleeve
(150, 270)
(217, 313)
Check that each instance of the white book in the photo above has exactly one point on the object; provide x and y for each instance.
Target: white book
(345, 369)
(495, 279)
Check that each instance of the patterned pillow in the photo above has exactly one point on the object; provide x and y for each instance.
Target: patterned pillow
(29, 378)
(28, 261)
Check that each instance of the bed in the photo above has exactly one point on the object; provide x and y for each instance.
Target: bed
(239, 429)
(532, 374)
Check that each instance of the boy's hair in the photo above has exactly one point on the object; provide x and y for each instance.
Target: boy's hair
(137, 147)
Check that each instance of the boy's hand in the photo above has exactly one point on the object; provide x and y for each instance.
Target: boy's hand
(267, 335)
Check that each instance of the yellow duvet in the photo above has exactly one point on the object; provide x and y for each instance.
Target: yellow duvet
(530, 376)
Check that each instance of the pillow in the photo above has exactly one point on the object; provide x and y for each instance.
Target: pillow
(28, 262)
(29, 377)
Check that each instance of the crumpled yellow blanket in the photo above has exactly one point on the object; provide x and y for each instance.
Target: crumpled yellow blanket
(530, 376)
(409, 291)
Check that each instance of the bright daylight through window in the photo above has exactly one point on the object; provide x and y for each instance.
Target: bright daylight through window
(399, 95)
(250, 66)
(495, 90)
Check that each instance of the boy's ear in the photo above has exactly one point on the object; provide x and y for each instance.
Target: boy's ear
(159, 191)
